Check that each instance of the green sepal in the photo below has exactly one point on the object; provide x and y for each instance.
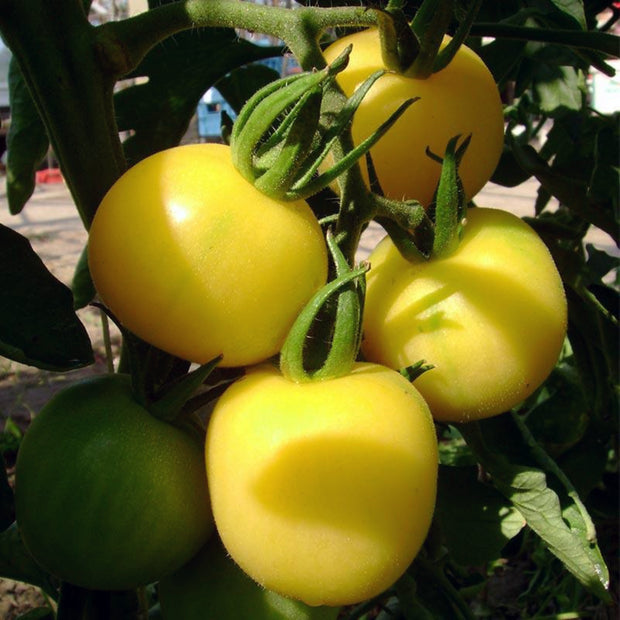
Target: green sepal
(346, 331)
(449, 205)
(268, 117)
(170, 402)
(281, 136)
(285, 159)
(161, 383)
(259, 115)
(307, 185)
(412, 372)
(399, 45)
(429, 25)
(445, 56)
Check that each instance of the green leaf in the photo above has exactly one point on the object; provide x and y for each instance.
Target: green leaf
(474, 518)
(574, 9)
(82, 285)
(38, 325)
(569, 191)
(179, 71)
(560, 419)
(238, 86)
(27, 142)
(557, 89)
(536, 487)
(16, 563)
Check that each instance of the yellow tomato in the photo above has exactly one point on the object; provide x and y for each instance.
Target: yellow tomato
(193, 259)
(460, 99)
(490, 317)
(322, 491)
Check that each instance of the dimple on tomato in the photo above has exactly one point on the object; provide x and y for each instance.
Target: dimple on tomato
(322, 491)
(192, 258)
(461, 99)
(490, 317)
(108, 497)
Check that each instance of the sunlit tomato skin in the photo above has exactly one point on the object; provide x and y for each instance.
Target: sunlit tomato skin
(212, 586)
(107, 496)
(461, 99)
(490, 317)
(322, 491)
(193, 259)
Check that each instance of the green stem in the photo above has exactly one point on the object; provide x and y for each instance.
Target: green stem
(129, 40)
(598, 41)
(55, 48)
(107, 341)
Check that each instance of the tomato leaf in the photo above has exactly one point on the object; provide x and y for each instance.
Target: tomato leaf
(179, 71)
(569, 191)
(549, 505)
(82, 285)
(573, 9)
(27, 142)
(557, 89)
(38, 326)
(241, 83)
(16, 563)
(474, 518)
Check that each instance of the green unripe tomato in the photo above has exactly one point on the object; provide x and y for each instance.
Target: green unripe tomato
(192, 258)
(212, 587)
(461, 99)
(490, 317)
(108, 497)
(322, 491)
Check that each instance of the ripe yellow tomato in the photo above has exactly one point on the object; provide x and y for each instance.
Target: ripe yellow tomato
(322, 491)
(193, 259)
(491, 317)
(460, 99)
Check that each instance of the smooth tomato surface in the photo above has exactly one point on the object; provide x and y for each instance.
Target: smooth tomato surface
(193, 259)
(212, 587)
(491, 317)
(322, 491)
(460, 99)
(107, 496)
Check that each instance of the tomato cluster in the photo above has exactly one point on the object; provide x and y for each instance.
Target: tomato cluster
(320, 491)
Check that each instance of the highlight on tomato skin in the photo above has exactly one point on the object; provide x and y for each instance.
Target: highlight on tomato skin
(490, 318)
(193, 259)
(461, 99)
(322, 491)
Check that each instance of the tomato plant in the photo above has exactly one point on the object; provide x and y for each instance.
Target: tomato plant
(107, 496)
(322, 491)
(315, 461)
(461, 99)
(212, 581)
(193, 259)
(489, 317)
